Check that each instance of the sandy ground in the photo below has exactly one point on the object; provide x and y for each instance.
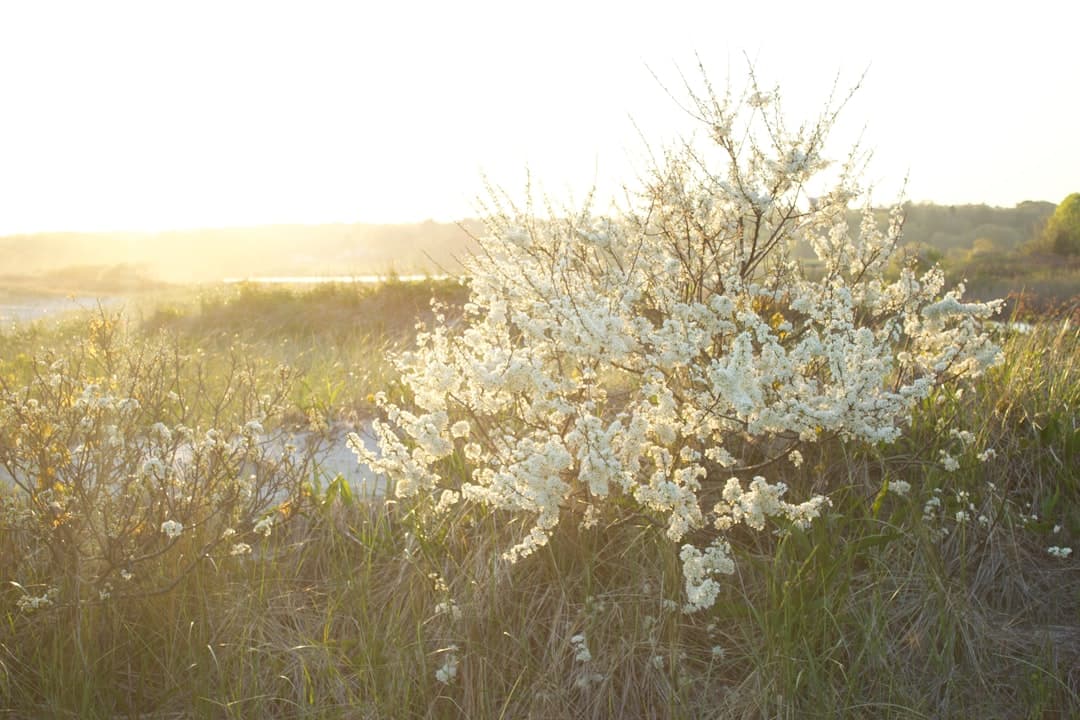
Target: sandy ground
(337, 458)
(340, 459)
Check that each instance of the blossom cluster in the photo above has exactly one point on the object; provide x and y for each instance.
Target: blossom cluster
(678, 347)
(116, 469)
(448, 671)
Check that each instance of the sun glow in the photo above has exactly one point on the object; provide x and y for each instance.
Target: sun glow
(130, 115)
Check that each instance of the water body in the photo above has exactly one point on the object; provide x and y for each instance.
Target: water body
(320, 279)
(21, 310)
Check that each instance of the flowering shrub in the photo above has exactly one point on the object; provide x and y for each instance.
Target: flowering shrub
(672, 356)
(122, 465)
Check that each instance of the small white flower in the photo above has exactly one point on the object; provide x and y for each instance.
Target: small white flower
(447, 500)
(126, 575)
(448, 608)
(161, 432)
(899, 487)
(1059, 552)
(30, 603)
(964, 436)
(172, 529)
(264, 526)
(962, 516)
(473, 452)
(152, 467)
(718, 652)
(449, 669)
(240, 549)
(759, 99)
(950, 463)
(987, 454)
(128, 405)
(460, 429)
(588, 679)
(581, 650)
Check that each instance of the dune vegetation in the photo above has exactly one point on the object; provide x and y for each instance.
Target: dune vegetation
(922, 592)
(651, 466)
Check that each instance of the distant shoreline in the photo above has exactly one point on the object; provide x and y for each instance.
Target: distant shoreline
(320, 279)
(14, 311)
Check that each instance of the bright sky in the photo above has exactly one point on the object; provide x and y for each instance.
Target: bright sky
(156, 115)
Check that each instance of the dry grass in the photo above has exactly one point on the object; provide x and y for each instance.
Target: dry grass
(879, 610)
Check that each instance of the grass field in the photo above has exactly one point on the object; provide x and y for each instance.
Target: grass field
(924, 593)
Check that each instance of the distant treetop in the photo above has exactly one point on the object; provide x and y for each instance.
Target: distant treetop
(1061, 235)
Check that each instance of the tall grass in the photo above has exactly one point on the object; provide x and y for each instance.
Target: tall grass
(339, 336)
(939, 603)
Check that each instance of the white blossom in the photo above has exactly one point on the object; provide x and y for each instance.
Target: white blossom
(581, 650)
(450, 608)
(447, 673)
(447, 499)
(172, 529)
(899, 487)
(264, 526)
(29, 603)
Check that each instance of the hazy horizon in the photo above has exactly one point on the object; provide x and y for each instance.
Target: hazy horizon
(475, 220)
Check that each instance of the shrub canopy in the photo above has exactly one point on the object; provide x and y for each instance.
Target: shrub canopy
(675, 354)
(1062, 233)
